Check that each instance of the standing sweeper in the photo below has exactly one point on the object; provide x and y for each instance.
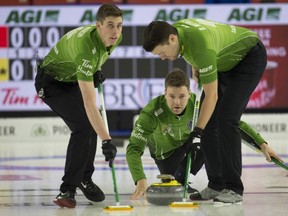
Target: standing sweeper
(66, 81)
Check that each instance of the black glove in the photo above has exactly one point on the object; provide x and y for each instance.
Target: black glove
(196, 133)
(109, 151)
(98, 78)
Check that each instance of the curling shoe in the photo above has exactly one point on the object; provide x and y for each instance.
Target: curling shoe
(191, 190)
(205, 194)
(228, 196)
(91, 191)
(66, 199)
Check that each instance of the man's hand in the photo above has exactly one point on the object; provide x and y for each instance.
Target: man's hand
(98, 78)
(140, 190)
(268, 152)
(109, 151)
(196, 133)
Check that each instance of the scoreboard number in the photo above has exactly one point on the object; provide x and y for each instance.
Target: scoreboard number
(17, 70)
(17, 37)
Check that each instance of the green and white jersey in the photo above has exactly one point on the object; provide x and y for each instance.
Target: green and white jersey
(160, 129)
(212, 46)
(77, 55)
(163, 131)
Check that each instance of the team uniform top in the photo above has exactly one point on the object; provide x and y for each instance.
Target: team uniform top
(212, 46)
(163, 131)
(77, 55)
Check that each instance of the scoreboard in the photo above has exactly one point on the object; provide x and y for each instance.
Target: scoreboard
(26, 43)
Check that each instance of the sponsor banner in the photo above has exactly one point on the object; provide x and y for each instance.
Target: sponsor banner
(270, 126)
(48, 129)
(137, 14)
(20, 96)
(33, 129)
(120, 94)
(271, 91)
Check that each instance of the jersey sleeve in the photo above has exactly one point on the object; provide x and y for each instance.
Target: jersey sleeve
(207, 65)
(247, 132)
(143, 128)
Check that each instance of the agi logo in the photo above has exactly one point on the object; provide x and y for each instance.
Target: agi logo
(51, 16)
(31, 16)
(178, 14)
(273, 14)
(255, 14)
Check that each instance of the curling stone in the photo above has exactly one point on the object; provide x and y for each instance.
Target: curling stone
(164, 192)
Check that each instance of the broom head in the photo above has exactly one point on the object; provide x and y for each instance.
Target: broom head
(184, 205)
(118, 208)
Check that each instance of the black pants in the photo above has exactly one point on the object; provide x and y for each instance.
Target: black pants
(175, 165)
(221, 143)
(65, 99)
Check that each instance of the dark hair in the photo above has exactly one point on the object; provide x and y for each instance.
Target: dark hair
(107, 10)
(177, 78)
(157, 33)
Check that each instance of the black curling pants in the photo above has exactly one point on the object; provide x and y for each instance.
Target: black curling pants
(221, 143)
(65, 99)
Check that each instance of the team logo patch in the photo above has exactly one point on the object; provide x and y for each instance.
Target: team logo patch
(167, 129)
(189, 124)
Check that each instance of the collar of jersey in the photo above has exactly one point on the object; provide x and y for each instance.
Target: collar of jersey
(99, 41)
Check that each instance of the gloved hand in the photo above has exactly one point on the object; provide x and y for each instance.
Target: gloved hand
(109, 151)
(98, 78)
(196, 133)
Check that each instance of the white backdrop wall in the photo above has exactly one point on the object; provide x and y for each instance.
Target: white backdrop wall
(48, 129)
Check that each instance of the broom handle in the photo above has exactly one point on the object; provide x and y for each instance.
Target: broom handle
(194, 120)
(188, 167)
(104, 116)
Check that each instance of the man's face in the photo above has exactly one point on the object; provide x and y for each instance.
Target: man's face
(110, 30)
(177, 98)
(168, 51)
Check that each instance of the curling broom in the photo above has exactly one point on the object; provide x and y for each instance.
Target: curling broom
(116, 207)
(248, 141)
(185, 203)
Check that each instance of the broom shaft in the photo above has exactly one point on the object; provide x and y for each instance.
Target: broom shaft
(115, 185)
(188, 167)
(189, 157)
(104, 116)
